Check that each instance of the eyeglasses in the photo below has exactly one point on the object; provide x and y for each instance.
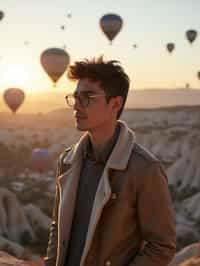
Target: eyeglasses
(84, 99)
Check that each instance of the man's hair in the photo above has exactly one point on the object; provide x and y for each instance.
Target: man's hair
(113, 80)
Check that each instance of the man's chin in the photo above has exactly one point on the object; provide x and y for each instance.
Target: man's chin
(80, 127)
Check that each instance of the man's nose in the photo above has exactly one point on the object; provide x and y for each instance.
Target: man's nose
(77, 104)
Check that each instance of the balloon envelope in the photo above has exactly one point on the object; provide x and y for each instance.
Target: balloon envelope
(1, 14)
(187, 85)
(55, 62)
(14, 97)
(170, 47)
(62, 27)
(111, 24)
(40, 159)
(191, 35)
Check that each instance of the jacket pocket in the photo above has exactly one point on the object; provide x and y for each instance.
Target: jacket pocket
(124, 255)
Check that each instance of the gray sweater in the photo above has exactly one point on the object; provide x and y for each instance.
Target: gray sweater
(91, 172)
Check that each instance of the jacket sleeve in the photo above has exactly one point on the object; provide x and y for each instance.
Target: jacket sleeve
(50, 259)
(51, 255)
(156, 218)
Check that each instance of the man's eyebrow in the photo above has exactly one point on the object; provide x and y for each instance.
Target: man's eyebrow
(84, 92)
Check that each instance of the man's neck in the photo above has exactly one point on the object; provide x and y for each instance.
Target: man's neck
(100, 138)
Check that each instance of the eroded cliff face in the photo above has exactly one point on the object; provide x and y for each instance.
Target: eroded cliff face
(8, 260)
(191, 262)
(21, 226)
(188, 256)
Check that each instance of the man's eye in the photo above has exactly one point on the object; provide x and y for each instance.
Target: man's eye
(85, 95)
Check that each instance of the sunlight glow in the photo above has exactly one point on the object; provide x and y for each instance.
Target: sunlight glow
(16, 75)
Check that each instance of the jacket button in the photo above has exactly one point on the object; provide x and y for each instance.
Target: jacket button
(108, 263)
(113, 196)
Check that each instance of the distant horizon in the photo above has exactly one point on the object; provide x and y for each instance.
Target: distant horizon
(59, 92)
(147, 98)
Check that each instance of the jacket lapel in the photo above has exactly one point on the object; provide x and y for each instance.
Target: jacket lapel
(101, 198)
(68, 184)
(123, 146)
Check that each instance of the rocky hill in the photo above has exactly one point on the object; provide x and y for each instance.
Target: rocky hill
(171, 133)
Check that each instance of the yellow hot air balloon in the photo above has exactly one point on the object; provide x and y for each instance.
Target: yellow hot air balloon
(55, 62)
(14, 97)
(111, 25)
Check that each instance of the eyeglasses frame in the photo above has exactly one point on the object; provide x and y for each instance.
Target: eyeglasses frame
(88, 98)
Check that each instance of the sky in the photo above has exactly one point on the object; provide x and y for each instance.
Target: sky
(148, 23)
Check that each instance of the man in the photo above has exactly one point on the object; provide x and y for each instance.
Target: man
(112, 204)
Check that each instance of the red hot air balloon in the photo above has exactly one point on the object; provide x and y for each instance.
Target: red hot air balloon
(191, 35)
(41, 159)
(55, 62)
(111, 24)
(170, 47)
(14, 97)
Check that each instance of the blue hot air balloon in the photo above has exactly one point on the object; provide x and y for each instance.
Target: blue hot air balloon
(111, 24)
(40, 159)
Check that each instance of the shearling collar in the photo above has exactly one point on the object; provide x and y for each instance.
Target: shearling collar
(120, 153)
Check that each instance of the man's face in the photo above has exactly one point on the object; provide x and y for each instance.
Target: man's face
(98, 113)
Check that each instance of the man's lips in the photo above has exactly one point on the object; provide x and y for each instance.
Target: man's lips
(80, 116)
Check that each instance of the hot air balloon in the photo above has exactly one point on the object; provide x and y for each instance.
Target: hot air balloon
(55, 62)
(198, 74)
(187, 85)
(14, 97)
(26, 43)
(170, 47)
(40, 159)
(1, 14)
(191, 35)
(62, 27)
(111, 24)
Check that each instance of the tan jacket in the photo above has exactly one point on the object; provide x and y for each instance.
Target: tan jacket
(132, 221)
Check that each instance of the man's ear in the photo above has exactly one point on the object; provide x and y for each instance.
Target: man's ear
(117, 103)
